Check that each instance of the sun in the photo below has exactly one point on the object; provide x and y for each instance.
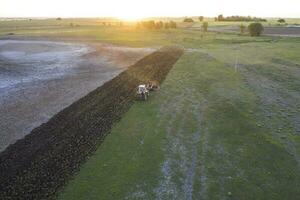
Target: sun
(133, 16)
(131, 10)
(130, 18)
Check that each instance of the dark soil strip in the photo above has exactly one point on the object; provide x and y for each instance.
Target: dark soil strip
(38, 165)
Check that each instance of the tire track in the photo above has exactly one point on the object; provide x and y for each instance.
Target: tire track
(182, 149)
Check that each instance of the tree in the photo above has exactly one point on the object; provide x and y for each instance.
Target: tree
(188, 20)
(220, 18)
(173, 24)
(159, 25)
(242, 28)
(204, 26)
(201, 18)
(167, 25)
(148, 24)
(255, 29)
(151, 24)
(281, 20)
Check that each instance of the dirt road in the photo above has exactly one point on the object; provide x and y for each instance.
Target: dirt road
(280, 31)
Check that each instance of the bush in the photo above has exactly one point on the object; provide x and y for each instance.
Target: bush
(281, 20)
(188, 20)
(242, 28)
(204, 26)
(201, 18)
(255, 29)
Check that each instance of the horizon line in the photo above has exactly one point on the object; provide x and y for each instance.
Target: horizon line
(116, 17)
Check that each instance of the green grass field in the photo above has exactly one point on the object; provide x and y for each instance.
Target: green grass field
(224, 125)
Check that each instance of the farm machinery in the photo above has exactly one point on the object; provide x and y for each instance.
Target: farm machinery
(143, 90)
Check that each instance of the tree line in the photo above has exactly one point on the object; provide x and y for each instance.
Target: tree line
(239, 19)
(151, 24)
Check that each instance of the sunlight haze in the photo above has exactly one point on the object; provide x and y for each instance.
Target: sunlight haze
(135, 9)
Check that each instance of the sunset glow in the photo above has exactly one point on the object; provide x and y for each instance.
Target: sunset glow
(135, 9)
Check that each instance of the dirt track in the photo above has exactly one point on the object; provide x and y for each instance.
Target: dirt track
(38, 165)
(282, 31)
(269, 31)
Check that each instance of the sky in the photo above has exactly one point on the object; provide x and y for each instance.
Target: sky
(135, 9)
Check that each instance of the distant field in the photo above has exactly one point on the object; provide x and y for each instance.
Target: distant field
(224, 125)
(95, 29)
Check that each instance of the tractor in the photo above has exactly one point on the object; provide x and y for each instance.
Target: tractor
(143, 92)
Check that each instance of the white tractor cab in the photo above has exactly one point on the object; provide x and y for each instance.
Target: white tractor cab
(143, 92)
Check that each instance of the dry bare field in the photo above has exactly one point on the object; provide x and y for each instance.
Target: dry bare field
(40, 78)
